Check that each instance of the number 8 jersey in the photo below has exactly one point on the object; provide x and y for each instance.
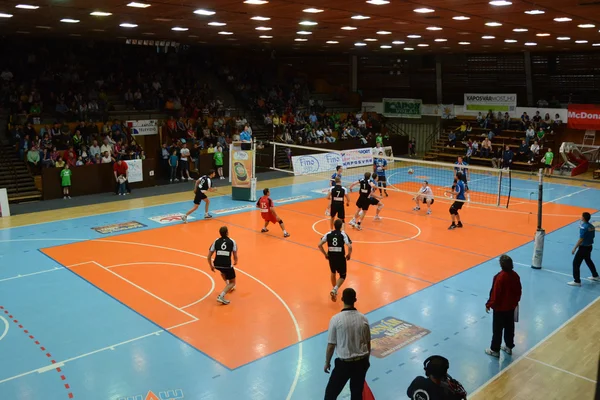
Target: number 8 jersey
(335, 243)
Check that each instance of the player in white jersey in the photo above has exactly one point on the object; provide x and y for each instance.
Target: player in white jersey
(424, 196)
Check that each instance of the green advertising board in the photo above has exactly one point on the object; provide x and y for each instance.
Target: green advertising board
(402, 108)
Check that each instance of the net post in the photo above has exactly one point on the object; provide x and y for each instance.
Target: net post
(538, 245)
(499, 189)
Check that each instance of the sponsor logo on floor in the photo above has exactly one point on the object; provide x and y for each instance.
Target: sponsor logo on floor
(391, 334)
(123, 226)
(291, 199)
(320, 191)
(170, 218)
(166, 395)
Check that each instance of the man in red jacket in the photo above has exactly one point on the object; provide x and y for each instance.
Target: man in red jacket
(504, 300)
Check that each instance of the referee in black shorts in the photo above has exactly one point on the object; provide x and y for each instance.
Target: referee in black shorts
(337, 194)
(336, 254)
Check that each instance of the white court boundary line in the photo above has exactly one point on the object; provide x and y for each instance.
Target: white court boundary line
(552, 271)
(384, 242)
(212, 289)
(6, 324)
(512, 364)
(112, 347)
(31, 274)
(560, 369)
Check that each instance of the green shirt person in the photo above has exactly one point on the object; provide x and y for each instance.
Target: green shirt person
(218, 157)
(379, 139)
(65, 177)
(548, 158)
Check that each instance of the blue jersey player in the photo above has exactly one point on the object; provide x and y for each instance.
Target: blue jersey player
(379, 167)
(459, 200)
(337, 174)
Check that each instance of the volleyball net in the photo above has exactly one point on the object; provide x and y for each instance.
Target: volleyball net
(487, 186)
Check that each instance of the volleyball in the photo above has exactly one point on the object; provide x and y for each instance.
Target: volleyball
(411, 171)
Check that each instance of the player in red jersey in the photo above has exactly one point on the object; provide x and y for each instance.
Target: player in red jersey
(268, 213)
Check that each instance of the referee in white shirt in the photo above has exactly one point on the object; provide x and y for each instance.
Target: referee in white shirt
(350, 337)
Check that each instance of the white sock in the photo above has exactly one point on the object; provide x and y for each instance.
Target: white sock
(222, 294)
(335, 288)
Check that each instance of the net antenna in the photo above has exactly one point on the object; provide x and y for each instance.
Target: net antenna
(487, 186)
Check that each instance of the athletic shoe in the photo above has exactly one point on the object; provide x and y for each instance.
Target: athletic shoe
(184, 219)
(286, 235)
(222, 300)
(327, 213)
(594, 278)
(206, 216)
(171, 181)
(68, 197)
(176, 180)
(263, 230)
(232, 289)
(453, 226)
(386, 194)
(573, 283)
(377, 218)
(417, 209)
(492, 353)
(65, 197)
(506, 350)
(357, 226)
(428, 212)
(459, 225)
(333, 295)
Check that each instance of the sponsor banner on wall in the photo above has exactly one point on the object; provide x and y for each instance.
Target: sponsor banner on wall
(136, 171)
(170, 218)
(391, 334)
(357, 157)
(143, 127)
(123, 226)
(315, 163)
(483, 102)
(402, 108)
(584, 116)
(242, 168)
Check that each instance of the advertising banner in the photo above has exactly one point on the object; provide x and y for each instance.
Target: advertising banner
(583, 116)
(483, 102)
(357, 157)
(315, 163)
(242, 168)
(391, 334)
(143, 127)
(402, 108)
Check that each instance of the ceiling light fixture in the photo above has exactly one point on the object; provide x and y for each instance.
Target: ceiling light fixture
(128, 25)
(261, 18)
(500, 3)
(308, 23)
(581, 41)
(43, 27)
(304, 33)
(300, 40)
(596, 44)
(542, 34)
(265, 37)
(510, 41)
(434, 28)
(397, 42)
(256, 2)
(586, 26)
(563, 19)
(313, 10)
(408, 49)
(530, 44)
(359, 44)
(349, 28)
(214, 23)
(488, 37)
(385, 46)
(263, 28)
(423, 45)
(493, 24)
(138, 5)
(370, 40)
(519, 30)
(179, 29)
(225, 33)
(27, 7)
(378, 2)
(461, 18)
(440, 40)
(202, 11)
(423, 10)
(464, 43)
(65, 20)
(100, 14)
(535, 12)
(332, 42)
(360, 17)
(414, 36)
(563, 38)
(384, 32)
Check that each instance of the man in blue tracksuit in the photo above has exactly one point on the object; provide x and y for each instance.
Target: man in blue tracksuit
(583, 250)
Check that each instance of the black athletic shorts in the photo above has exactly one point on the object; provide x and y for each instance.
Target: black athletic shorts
(373, 201)
(199, 197)
(363, 203)
(425, 200)
(381, 179)
(338, 209)
(457, 205)
(338, 265)
(228, 272)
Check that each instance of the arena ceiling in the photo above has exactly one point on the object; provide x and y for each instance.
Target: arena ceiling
(439, 26)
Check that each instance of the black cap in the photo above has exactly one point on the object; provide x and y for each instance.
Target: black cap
(349, 296)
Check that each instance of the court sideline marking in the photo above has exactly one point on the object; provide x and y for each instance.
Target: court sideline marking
(526, 354)
(560, 369)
